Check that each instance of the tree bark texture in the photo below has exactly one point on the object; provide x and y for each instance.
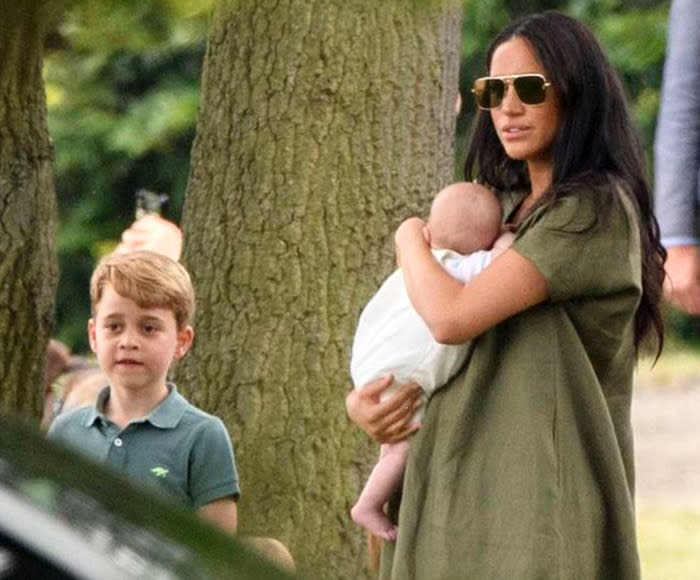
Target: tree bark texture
(322, 126)
(28, 263)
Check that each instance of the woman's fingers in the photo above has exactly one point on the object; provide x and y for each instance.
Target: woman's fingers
(364, 405)
(395, 415)
(389, 420)
(407, 431)
(398, 419)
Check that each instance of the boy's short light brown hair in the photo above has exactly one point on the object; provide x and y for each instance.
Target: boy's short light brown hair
(149, 279)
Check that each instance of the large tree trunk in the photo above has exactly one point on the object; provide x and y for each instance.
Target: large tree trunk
(28, 264)
(322, 125)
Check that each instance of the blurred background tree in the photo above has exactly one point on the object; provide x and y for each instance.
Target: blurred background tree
(28, 266)
(122, 82)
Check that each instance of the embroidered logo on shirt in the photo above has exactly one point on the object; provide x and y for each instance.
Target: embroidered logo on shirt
(159, 471)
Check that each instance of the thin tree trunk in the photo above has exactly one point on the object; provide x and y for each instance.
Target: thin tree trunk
(322, 125)
(28, 264)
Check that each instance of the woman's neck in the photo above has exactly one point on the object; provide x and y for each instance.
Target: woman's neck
(541, 174)
(540, 181)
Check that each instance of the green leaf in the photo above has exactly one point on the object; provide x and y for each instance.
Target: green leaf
(156, 119)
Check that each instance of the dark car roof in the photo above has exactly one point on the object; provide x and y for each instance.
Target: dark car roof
(90, 521)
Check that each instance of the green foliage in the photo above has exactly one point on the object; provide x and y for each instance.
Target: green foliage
(155, 120)
(134, 26)
(684, 327)
(122, 93)
(481, 20)
(635, 42)
(669, 541)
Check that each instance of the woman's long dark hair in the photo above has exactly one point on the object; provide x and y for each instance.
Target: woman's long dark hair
(595, 143)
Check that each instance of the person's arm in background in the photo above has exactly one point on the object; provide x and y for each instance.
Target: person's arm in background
(154, 233)
(677, 156)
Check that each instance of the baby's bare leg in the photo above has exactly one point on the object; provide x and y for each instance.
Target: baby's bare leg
(383, 481)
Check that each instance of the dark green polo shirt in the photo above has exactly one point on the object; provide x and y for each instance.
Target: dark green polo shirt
(177, 447)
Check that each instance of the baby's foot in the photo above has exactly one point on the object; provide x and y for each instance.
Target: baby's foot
(375, 522)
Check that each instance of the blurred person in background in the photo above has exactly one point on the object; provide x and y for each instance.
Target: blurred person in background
(677, 157)
(71, 381)
(152, 232)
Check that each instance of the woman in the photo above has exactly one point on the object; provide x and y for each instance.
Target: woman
(523, 468)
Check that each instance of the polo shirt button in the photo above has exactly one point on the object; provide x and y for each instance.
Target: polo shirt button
(118, 442)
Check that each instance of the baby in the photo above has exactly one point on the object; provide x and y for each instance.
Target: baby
(464, 232)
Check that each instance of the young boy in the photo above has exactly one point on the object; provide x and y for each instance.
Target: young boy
(391, 338)
(142, 306)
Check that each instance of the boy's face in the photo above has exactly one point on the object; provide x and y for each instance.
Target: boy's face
(135, 346)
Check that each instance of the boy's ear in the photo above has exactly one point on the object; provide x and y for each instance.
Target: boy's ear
(184, 341)
(91, 335)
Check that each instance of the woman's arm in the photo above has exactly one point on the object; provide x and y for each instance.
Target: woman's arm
(456, 312)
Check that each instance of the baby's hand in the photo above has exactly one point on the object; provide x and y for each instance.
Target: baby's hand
(504, 241)
(410, 231)
(426, 235)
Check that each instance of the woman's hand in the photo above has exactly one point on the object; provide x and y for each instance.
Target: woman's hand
(385, 421)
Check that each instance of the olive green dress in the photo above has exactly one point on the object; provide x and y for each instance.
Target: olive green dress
(523, 469)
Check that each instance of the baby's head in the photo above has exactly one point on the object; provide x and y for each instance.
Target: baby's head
(464, 217)
(150, 279)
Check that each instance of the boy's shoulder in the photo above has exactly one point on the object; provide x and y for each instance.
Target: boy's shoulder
(195, 428)
(71, 421)
(193, 415)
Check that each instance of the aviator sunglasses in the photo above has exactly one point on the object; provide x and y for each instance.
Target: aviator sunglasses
(489, 92)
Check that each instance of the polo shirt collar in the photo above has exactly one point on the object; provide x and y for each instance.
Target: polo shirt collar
(97, 410)
(169, 411)
(165, 416)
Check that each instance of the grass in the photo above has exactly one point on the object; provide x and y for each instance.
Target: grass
(669, 536)
(669, 543)
(677, 366)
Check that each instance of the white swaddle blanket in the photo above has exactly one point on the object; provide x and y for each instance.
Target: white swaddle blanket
(391, 338)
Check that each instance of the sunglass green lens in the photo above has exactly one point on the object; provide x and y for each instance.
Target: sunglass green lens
(489, 92)
(530, 89)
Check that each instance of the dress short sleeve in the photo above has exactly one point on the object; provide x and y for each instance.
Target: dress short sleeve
(584, 244)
